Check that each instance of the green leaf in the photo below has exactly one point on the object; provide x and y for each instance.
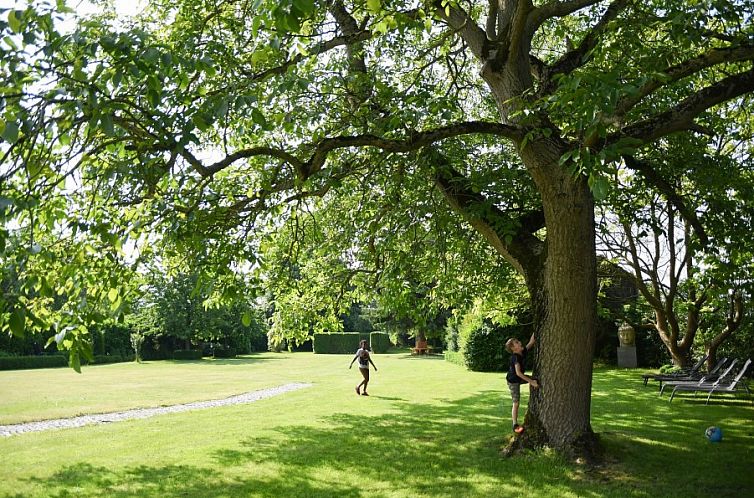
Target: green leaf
(18, 322)
(600, 187)
(154, 97)
(14, 22)
(107, 125)
(9, 41)
(74, 361)
(151, 55)
(10, 133)
(374, 6)
(246, 319)
(258, 117)
(306, 7)
(112, 295)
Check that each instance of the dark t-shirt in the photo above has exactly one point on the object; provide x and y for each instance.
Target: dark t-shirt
(512, 377)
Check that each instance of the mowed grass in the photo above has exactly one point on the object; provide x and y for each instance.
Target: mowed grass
(430, 429)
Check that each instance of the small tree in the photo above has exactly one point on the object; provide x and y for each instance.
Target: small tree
(137, 340)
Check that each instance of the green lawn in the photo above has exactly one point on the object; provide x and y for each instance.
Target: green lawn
(430, 428)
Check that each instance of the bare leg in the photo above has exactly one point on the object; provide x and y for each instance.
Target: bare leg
(365, 373)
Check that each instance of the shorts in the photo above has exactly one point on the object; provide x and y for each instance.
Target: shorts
(515, 389)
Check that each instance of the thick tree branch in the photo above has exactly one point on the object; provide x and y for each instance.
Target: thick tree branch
(519, 246)
(520, 37)
(492, 20)
(460, 21)
(687, 68)
(414, 142)
(556, 9)
(350, 29)
(681, 116)
(305, 169)
(577, 57)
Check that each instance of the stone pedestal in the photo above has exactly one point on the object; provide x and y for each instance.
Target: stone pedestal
(627, 356)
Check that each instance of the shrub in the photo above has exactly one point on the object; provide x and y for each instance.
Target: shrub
(484, 350)
(101, 359)
(379, 342)
(340, 343)
(452, 338)
(187, 354)
(222, 351)
(137, 341)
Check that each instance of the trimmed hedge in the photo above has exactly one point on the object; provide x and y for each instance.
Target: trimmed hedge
(379, 342)
(56, 360)
(24, 362)
(455, 357)
(339, 343)
(187, 354)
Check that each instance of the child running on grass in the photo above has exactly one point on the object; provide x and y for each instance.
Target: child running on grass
(516, 375)
(362, 354)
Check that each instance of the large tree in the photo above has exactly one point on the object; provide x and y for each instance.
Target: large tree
(209, 120)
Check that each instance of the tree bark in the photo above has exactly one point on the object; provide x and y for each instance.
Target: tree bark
(564, 303)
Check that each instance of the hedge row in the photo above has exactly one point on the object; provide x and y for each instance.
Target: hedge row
(340, 343)
(379, 342)
(23, 362)
(455, 357)
(53, 361)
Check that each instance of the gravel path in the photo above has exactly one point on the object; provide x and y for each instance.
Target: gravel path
(102, 418)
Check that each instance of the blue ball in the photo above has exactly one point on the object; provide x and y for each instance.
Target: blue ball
(714, 434)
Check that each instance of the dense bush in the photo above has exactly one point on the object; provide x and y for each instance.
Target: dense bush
(112, 339)
(379, 342)
(222, 351)
(484, 350)
(338, 343)
(187, 354)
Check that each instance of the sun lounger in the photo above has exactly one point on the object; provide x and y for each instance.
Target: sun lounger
(712, 376)
(722, 385)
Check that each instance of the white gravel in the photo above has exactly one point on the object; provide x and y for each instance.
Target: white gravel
(102, 418)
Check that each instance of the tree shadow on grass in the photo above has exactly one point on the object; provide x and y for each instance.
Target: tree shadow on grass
(84, 480)
(449, 448)
(239, 360)
(422, 357)
(427, 450)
